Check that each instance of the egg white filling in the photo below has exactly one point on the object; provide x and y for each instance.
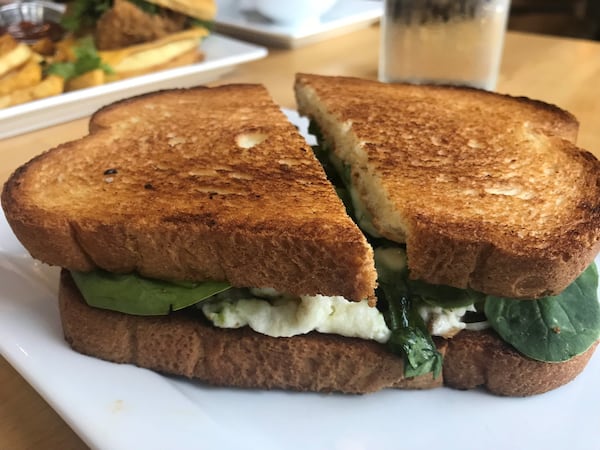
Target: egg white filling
(273, 314)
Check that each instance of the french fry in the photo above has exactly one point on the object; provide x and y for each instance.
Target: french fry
(29, 74)
(51, 85)
(92, 78)
(44, 46)
(13, 54)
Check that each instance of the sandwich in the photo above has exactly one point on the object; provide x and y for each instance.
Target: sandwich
(200, 236)
(139, 36)
(185, 215)
(484, 217)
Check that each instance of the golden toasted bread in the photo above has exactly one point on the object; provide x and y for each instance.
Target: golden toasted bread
(205, 183)
(185, 344)
(487, 191)
(174, 50)
(199, 9)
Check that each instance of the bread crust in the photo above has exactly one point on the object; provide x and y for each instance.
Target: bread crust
(171, 185)
(488, 191)
(185, 345)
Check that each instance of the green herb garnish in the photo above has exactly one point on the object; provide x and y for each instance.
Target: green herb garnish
(86, 59)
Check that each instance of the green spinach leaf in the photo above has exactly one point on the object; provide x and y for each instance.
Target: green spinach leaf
(444, 296)
(203, 23)
(551, 329)
(409, 335)
(147, 7)
(133, 294)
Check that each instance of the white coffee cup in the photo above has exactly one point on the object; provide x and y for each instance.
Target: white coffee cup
(293, 12)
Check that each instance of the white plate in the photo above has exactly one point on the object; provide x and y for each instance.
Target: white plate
(345, 16)
(112, 406)
(222, 54)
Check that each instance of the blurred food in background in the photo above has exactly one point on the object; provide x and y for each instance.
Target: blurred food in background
(47, 48)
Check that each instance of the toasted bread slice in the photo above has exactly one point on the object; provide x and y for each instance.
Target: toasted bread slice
(205, 183)
(200, 9)
(185, 344)
(487, 191)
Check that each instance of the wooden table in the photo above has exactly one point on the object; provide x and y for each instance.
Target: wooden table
(557, 70)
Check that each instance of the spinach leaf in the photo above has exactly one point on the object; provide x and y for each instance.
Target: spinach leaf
(444, 296)
(149, 8)
(551, 329)
(203, 23)
(409, 335)
(133, 294)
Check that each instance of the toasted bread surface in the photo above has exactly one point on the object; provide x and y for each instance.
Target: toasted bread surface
(199, 9)
(184, 344)
(487, 191)
(481, 358)
(184, 59)
(205, 183)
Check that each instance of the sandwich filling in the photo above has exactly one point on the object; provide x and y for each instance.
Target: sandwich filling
(550, 329)
(409, 312)
(266, 311)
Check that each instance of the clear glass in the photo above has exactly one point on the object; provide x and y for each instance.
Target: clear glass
(443, 41)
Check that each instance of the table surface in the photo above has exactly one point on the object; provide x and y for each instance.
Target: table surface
(562, 71)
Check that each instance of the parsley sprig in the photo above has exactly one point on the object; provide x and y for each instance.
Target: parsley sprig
(86, 59)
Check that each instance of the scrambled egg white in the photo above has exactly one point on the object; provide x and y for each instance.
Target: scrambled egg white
(270, 313)
(284, 316)
(444, 322)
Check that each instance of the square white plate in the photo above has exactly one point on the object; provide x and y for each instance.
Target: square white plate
(222, 54)
(246, 23)
(113, 406)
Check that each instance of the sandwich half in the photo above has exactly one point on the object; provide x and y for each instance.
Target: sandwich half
(199, 236)
(484, 217)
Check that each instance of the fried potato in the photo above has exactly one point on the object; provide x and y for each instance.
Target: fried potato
(65, 50)
(7, 44)
(92, 78)
(12, 54)
(29, 74)
(44, 46)
(51, 85)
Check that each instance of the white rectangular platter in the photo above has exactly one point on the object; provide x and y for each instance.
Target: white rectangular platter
(222, 54)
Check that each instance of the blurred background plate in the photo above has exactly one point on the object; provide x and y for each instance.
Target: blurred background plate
(222, 54)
